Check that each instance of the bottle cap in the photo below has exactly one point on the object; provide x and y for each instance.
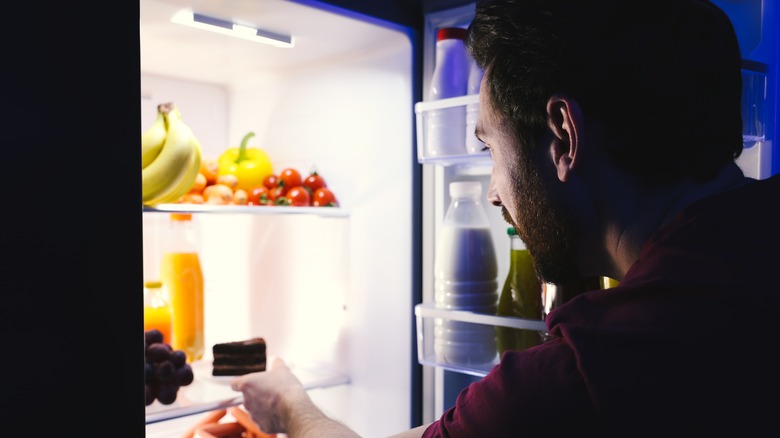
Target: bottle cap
(449, 33)
(181, 216)
(465, 188)
(511, 231)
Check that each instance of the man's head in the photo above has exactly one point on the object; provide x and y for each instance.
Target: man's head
(652, 87)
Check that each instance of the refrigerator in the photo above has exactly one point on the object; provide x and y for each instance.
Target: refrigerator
(344, 295)
(330, 289)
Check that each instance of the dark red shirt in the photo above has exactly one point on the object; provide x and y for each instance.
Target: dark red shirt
(687, 344)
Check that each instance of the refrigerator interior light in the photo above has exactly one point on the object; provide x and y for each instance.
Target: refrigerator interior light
(199, 21)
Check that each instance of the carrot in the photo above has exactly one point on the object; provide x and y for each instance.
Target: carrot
(212, 417)
(245, 420)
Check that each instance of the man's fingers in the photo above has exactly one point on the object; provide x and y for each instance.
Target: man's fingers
(278, 362)
(237, 383)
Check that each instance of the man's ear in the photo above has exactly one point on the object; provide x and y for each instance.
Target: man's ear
(565, 121)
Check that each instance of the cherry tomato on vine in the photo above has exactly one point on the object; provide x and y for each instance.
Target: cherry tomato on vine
(270, 181)
(259, 195)
(298, 196)
(290, 178)
(278, 191)
(324, 197)
(314, 181)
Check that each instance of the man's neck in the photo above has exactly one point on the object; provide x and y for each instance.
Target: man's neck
(657, 208)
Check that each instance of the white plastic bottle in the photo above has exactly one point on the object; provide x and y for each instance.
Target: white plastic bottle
(444, 127)
(465, 271)
(473, 145)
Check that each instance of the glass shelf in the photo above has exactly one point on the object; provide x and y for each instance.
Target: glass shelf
(247, 209)
(422, 109)
(208, 393)
(428, 316)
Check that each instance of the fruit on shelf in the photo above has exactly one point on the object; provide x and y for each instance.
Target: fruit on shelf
(297, 196)
(314, 181)
(324, 197)
(165, 369)
(218, 194)
(153, 139)
(288, 188)
(249, 165)
(175, 167)
(209, 167)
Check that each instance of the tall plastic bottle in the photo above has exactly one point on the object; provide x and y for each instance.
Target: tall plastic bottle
(520, 297)
(473, 144)
(182, 275)
(465, 271)
(444, 127)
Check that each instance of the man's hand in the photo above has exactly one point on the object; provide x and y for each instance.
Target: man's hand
(264, 395)
(278, 403)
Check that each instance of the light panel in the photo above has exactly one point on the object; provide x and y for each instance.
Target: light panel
(224, 27)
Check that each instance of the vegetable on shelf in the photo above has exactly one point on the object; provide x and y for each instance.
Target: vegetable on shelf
(314, 181)
(324, 197)
(249, 165)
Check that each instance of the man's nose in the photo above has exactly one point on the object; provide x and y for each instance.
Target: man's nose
(492, 193)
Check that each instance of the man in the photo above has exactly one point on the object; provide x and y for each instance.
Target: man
(613, 128)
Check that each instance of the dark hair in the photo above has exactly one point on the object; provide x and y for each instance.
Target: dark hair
(662, 77)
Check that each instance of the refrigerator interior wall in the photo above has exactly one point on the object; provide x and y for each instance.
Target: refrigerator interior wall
(333, 292)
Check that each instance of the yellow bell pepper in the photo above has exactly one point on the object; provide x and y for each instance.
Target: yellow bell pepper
(249, 165)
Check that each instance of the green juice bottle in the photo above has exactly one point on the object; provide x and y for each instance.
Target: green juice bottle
(521, 297)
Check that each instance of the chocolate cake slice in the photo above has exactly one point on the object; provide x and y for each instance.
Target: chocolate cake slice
(239, 358)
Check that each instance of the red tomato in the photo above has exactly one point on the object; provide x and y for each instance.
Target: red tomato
(270, 181)
(259, 195)
(298, 196)
(278, 192)
(289, 178)
(313, 182)
(324, 197)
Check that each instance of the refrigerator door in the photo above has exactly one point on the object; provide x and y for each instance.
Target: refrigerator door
(440, 385)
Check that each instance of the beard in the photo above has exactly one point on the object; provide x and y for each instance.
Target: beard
(542, 224)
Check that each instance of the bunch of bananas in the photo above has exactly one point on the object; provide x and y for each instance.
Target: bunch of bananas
(171, 157)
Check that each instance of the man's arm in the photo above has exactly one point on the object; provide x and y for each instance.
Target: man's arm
(413, 433)
(278, 403)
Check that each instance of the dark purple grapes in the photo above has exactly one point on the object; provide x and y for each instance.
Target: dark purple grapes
(184, 375)
(149, 373)
(151, 394)
(179, 358)
(153, 336)
(167, 393)
(165, 371)
(158, 352)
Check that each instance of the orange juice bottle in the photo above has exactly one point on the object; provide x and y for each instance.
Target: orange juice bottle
(157, 310)
(181, 274)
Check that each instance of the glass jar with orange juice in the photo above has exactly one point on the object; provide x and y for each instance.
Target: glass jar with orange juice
(182, 276)
(157, 310)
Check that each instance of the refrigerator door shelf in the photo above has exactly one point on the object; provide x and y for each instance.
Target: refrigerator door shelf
(247, 209)
(422, 112)
(208, 393)
(427, 316)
